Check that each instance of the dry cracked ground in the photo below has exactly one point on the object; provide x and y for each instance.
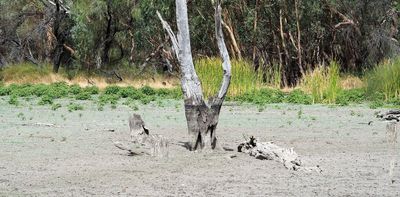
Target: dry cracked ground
(60, 153)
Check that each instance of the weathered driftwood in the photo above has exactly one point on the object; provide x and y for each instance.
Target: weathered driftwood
(270, 151)
(140, 136)
(391, 115)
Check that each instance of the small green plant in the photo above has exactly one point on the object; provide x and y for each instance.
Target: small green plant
(74, 107)
(376, 104)
(300, 113)
(346, 97)
(46, 100)
(21, 116)
(13, 100)
(83, 96)
(299, 97)
(55, 106)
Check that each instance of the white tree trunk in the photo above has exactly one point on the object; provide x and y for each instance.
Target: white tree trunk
(202, 118)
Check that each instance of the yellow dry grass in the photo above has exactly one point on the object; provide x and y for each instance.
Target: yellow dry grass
(32, 74)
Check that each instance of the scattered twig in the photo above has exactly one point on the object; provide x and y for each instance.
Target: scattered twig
(38, 124)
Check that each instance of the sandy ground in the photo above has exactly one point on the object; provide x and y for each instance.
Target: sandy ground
(77, 157)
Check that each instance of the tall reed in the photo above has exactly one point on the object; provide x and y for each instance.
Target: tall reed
(323, 83)
(384, 79)
(244, 78)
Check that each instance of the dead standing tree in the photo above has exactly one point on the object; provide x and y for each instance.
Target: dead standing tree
(202, 117)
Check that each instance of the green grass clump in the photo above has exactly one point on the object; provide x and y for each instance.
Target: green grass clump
(323, 83)
(345, 97)
(93, 90)
(384, 78)
(74, 107)
(13, 100)
(262, 96)
(83, 96)
(299, 97)
(112, 90)
(46, 100)
(56, 106)
(244, 78)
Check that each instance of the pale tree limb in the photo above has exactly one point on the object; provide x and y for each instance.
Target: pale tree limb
(170, 34)
(233, 39)
(226, 64)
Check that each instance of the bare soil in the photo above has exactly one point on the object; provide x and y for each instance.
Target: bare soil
(75, 155)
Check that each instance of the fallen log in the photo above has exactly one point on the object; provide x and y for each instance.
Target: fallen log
(390, 115)
(270, 151)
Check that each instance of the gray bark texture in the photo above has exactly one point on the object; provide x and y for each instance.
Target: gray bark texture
(202, 117)
(270, 151)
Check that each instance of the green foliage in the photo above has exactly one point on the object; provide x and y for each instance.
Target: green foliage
(385, 78)
(13, 100)
(299, 97)
(75, 89)
(112, 90)
(346, 97)
(93, 90)
(46, 100)
(74, 107)
(262, 96)
(376, 104)
(83, 96)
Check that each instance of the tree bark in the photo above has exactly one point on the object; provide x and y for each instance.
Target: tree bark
(202, 118)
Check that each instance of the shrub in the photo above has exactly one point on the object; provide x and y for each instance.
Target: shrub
(75, 89)
(83, 96)
(46, 100)
(93, 90)
(346, 97)
(130, 92)
(13, 100)
(299, 97)
(146, 90)
(112, 90)
(74, 107)
(262, 96)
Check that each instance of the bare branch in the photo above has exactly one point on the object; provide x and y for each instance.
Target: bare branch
(226, 64)
(171, 34)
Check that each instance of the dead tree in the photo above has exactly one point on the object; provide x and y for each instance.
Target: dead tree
(202, 117)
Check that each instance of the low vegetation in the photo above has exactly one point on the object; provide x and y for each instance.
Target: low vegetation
(323, 85)
(383, 81)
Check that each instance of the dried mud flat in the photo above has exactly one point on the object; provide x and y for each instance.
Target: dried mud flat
(72, 154)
